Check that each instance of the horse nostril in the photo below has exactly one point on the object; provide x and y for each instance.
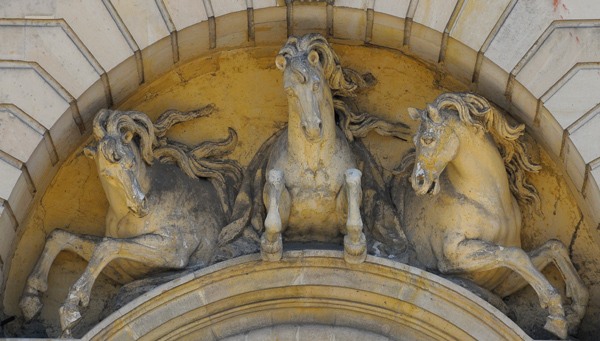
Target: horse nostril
(304, 129)
(320, 126)
(420, 180)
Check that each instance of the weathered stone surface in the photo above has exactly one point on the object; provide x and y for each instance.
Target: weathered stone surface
(311, 290)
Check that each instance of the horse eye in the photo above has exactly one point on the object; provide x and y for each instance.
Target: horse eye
(427, 140)
(316, 86)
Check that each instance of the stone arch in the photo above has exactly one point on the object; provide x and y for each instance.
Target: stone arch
(64, 60)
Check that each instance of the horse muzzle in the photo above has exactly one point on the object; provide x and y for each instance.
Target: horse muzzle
(313, 131)
(139, 207)
(425, 185)
(135, 197)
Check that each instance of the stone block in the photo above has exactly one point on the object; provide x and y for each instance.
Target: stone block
(569, 103)
(66, 135)
(157, 59)
(7, 235)
(592, 195)
(476, 21)
(257, 4)
(17, 138)
(94, 25)
(549, 132)
(55, 51)
(586, 138)
(9, 178)
(90, 101)
(434, 13)
(25, 88)
(492, 83)
(13, 44)
(20, 198)
(388, 31)
(124, 79)
(349, 24)
(309, 18)
(270, 26)
(193, 41)
(356, 4)
(143, 19)
(524, 102)
(232, 29)
(528, 20)
(169, 310)
(460, 61)
(575, 164)
(223, 7)
(425, 42)
(186, 13)
(38, 165)
(396, 8)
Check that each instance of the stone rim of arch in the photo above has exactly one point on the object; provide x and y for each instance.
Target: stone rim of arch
(308, 287)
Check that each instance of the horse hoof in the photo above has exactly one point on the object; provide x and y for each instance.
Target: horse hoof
(30, 305)
(271, 252)
(69, 316)
(574, 317)
(355, 259)
(557, 325)
(66, 334)
(355, 253)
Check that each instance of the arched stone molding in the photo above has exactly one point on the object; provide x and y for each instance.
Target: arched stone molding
(306, 289)
(103, 52)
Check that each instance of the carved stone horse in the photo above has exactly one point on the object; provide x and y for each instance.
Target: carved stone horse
(158, 218)
(313, 189)
(469, 223)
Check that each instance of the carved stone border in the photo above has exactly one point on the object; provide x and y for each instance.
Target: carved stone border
(311, 288)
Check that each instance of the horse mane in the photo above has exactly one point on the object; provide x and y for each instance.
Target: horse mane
(475, 111)
(202, 161)
(343, 82)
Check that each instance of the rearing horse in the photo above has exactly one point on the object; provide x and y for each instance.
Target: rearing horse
(160, 216)
(469, 223)
(313, 189)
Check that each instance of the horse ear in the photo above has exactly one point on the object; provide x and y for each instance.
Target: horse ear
(126, 138)
(280, 62)
(90, 152)
(414, 114)
(313, 57)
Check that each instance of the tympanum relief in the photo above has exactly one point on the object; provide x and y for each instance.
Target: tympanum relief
(453, 206)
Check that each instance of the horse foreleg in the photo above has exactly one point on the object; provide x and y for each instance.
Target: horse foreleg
(554, 251)
(57, 241)
(462, 256)
(152, 250)
(355, 243)
(271, 245)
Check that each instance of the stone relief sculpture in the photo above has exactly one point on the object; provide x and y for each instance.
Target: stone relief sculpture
(160, 216)
(313, 187)
(172, 207)
(463, 216)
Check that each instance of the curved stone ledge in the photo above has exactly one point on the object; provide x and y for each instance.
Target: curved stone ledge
(303, 292)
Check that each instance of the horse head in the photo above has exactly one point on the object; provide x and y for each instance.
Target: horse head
(436, 143)
(119, 160)
(307, 90)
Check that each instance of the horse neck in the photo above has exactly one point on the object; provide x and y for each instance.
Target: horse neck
(478, 170)
(312, 155)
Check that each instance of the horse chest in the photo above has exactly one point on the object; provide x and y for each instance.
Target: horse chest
(129, 226)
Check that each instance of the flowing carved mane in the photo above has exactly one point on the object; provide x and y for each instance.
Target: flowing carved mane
(476, 111)
(203, 161)
(343, 82)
